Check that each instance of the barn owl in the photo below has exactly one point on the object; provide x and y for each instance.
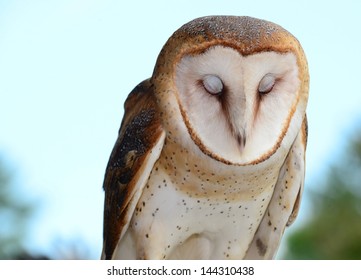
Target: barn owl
(210, 158)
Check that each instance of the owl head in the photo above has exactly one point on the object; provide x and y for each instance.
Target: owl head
(233, 88)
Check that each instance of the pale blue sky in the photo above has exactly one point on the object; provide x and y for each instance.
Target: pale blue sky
(66, 68)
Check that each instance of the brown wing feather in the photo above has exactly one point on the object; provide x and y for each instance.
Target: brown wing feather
(139, 133)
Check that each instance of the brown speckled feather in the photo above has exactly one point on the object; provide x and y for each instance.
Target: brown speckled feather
(139, 133)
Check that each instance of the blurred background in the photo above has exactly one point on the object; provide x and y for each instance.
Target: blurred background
(66, 68)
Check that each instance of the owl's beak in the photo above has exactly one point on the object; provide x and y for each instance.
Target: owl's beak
(241, 139)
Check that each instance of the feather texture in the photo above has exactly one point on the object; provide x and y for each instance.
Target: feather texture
(137, 148)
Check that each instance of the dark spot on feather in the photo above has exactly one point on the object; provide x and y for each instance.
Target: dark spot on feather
(131, 145)
(262, 248)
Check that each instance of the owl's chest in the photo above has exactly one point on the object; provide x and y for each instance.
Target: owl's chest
(186, 200)
(199, 178)
(188, 193)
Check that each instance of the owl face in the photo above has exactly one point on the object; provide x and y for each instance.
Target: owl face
(232, 103)
(241, 95)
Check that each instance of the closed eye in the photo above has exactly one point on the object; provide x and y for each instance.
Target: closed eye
(212, 84)
(266, 84)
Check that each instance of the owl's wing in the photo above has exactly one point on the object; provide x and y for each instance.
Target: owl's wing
(284, 205)
(137, 148)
